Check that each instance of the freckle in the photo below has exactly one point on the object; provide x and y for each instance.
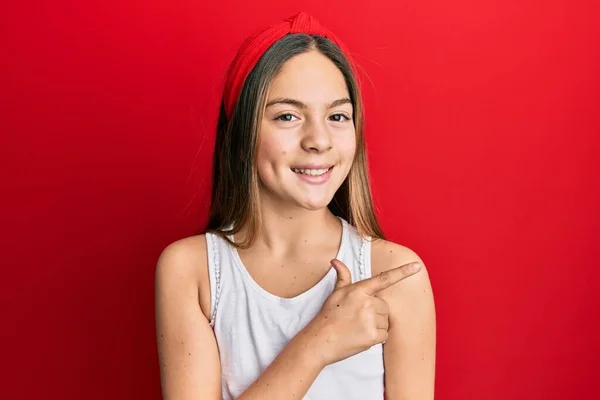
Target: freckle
(326, 317)
(391, 251)
(282, 266)
(294, 277)
(181, 342)
(290, 217)
(305, 240)
(189, 354)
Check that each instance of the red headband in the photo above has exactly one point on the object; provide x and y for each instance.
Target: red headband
(256, 45)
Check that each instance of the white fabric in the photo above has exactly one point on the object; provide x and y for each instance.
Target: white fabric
(252, 325)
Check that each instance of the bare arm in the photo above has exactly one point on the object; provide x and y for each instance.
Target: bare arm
(292, 372)
(409, 352)
(187, 349)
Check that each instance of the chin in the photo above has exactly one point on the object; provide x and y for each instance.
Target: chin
(314, 204)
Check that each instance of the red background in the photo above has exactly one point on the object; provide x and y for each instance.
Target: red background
(483, 133)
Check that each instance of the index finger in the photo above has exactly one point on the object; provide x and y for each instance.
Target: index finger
(387, 278)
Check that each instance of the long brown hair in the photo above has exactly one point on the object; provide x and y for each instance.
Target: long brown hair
(235, 191)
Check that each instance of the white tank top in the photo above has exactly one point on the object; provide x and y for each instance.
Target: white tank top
(252, 325)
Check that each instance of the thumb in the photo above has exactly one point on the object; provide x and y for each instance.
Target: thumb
(344, 278)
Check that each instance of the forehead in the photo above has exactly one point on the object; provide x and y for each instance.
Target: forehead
(309, 77)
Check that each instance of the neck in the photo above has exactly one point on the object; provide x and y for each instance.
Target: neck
(283, 228)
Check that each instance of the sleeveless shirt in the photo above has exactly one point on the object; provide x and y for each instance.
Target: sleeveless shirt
(252, 326)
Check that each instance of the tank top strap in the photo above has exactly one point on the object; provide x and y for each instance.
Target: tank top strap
(358, 257)
(214, 272)
(364, 261)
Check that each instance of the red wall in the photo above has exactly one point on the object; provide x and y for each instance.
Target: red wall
(483, 132)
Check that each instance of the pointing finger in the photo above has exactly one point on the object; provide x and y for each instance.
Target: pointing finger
(388, 278)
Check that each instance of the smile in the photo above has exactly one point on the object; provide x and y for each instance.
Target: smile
(313, 176)
(312, 172)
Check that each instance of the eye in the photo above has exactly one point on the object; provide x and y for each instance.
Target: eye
(339, 117)
(285, 117)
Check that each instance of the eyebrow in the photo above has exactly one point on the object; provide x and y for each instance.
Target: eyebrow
(301, 105)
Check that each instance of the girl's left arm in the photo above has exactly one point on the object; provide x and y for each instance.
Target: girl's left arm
(410, 350)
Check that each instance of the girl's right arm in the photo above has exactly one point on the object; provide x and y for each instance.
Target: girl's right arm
(187, 349)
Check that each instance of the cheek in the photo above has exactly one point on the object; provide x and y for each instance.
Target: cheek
(270, 150)
(347, 148)
(272, 154)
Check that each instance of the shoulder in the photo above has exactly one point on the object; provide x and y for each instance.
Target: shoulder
(410, 350)
(182, 257)
(386, 255)
(182, 267)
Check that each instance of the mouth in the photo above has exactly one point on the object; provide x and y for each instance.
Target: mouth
(312, 171)
(317, 175)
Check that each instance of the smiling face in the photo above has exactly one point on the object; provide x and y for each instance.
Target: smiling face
(307, 137)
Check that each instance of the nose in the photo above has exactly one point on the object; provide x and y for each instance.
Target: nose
(316, 137)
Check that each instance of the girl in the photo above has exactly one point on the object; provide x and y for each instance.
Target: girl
(292, 291)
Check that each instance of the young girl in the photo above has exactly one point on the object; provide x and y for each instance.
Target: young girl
(292, 292)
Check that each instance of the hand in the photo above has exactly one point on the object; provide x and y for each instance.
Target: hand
(352, 318)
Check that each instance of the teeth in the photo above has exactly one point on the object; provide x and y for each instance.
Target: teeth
(311, 172)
